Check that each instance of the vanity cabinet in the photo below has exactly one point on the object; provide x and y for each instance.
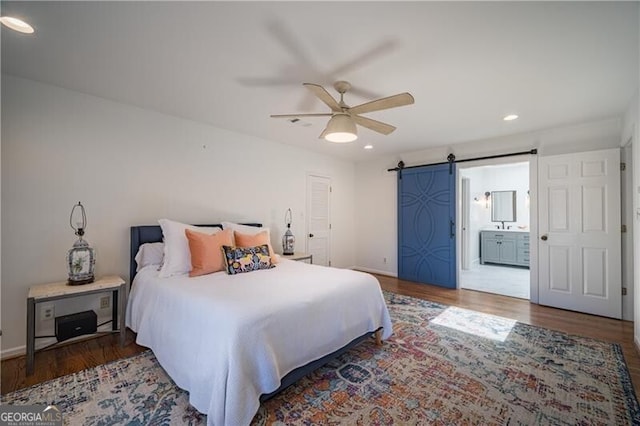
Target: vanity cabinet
(504, 247)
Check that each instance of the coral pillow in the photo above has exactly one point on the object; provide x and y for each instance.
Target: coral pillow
(206, 251)
(246, 240)
(176, 247)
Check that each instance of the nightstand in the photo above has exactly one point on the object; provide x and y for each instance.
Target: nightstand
(299, 256)
(61, 290)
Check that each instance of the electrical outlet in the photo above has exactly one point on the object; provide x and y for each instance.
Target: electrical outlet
(47, 312)
(104, 302)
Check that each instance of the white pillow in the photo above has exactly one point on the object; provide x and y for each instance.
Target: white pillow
(149, 254)
(245, 229)
(177, 257)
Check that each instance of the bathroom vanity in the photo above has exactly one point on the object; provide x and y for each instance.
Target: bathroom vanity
(504, 247)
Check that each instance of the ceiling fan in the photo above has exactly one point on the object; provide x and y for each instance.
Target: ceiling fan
(342, 124)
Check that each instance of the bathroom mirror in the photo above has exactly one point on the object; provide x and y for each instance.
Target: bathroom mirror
(503, 206)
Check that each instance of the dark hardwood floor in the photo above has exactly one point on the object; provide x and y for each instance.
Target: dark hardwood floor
(66, 359)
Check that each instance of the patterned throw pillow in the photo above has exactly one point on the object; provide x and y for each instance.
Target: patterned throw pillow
(246, 259)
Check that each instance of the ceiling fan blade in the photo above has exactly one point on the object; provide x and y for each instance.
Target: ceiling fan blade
(285, 36)
(324, 96)
(361, 60)
(375, 125)
(320, 114)
(384, 103)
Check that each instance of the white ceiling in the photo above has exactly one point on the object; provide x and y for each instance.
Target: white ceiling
(231, 64)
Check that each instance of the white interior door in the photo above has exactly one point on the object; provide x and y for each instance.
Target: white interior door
(626, 203)
(579, 231)
(318, 219)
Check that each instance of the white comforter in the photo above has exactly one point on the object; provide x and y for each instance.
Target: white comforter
(227, 339)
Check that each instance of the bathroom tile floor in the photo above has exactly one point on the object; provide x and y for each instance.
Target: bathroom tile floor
(497, 279)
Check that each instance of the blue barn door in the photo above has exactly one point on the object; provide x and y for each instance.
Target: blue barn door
(426, 227)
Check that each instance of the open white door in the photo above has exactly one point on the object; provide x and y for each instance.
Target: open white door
(318, 220)
(579, 229)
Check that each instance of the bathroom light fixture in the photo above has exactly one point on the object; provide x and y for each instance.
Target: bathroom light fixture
(341, 129)
(510, 117)
(17, 24)
(487, 197)
(368, 146)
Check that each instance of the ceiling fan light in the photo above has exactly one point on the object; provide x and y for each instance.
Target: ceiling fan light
(16, 24)
(341, 129)
(341, 137)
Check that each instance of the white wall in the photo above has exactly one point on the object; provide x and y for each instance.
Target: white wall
(636, 225)
(631, 130)
(131, 166)
(632, 121)
(376, 200)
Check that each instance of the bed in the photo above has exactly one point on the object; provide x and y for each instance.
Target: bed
(232, 341)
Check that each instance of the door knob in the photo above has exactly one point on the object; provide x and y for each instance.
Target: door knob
(544, 237)
(310, 235)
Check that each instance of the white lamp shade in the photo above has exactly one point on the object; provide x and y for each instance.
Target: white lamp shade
(341, 129)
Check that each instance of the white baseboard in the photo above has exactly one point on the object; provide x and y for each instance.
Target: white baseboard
(13, 352)
(376, 271)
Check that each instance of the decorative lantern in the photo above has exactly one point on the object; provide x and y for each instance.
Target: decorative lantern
(81, 259)
(288, 239)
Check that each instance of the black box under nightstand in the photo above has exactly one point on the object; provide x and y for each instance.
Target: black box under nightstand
(74, 325)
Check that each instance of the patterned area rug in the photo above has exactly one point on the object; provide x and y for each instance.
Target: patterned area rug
(443, 365)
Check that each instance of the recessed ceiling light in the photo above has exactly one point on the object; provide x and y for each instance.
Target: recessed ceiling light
(369, 146)
(17, 25)
(510, 117)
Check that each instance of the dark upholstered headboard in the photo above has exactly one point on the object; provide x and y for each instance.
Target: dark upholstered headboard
(152, 234)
